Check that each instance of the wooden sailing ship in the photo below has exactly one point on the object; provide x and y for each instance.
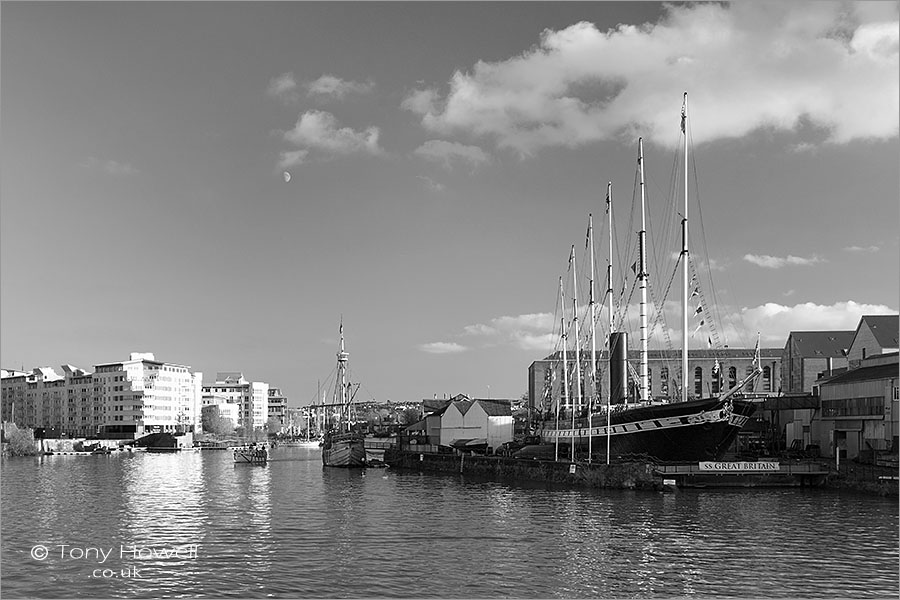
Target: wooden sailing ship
(343, 445)
(686, 430)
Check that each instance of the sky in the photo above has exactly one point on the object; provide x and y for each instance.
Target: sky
(224, 183)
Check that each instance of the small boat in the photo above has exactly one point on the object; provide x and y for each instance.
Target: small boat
(342, 445)
(252, 454)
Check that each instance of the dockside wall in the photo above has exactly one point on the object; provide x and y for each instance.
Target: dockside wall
(628, 475)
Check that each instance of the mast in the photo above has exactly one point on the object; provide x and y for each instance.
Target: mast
(684, 261)
(565, 386)
(609, 295)
(343, 356)
(643, 275)
(593, 338)
(577, 403)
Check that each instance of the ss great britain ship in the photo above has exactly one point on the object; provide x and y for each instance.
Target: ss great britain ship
(635, 424)
(343, 445)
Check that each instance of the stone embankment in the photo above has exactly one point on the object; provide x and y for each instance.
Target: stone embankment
(634, 475)
(627, 475)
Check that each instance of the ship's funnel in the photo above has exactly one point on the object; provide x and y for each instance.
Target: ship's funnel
(618, 367)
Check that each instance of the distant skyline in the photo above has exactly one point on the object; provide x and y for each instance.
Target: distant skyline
(221, 183)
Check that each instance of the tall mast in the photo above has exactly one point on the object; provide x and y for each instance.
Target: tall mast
(642, 277)
(343, 356)
(577, 403)
(609, 294)
(684, 261)
(565, 386)
(594, 394)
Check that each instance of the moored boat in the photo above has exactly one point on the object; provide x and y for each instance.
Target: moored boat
(685, 430)
(343, 445)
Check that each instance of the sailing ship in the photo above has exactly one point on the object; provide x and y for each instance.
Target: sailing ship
(688, 430)
(343, 445)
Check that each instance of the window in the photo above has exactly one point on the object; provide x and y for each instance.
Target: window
(698, 381)
(767, 379)
(732, 377)
(750, 383)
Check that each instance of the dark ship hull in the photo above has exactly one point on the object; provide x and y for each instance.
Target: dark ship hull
(693, 431)
(344, 450)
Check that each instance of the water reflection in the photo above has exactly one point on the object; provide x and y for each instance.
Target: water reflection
(292, 528)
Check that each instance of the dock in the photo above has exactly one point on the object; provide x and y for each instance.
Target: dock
(743, 474)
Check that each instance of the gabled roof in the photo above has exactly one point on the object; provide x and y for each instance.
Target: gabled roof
(884, 327)
(821, 344)
(462, 406)
(435, 405)
(495, 407)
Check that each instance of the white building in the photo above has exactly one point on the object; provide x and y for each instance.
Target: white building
(477, 420)
(143, 395)
(251, 398)
(124, 399)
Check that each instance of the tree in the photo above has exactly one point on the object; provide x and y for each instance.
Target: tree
(213, 422)
(21, 441)
(410, 416)
(273, 425)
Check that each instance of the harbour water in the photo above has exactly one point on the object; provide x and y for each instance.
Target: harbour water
(195, 524)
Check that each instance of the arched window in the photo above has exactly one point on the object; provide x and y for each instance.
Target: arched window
(664, 381)
(716, 378)
(749, 384)
(650, 381)
(698, 382)
(732, 377)
(767, 379)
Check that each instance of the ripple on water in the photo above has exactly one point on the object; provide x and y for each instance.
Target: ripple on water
(294, 529)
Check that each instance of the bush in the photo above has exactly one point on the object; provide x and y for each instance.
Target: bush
(21, 442)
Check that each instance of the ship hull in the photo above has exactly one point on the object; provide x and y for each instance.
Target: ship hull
(346, 450)
(692, 431)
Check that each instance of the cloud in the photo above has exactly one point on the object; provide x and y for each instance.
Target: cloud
(857, 249)
(110, 167)
(319, 130)
(292, 158)
(446, 153)
(775, 321)
(284, 88)
(442, 348)
(525, 332)
(433, 185)
(747, 66)
(777, 262)
(334, 87)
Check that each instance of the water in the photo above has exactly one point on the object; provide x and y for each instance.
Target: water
(292, 529)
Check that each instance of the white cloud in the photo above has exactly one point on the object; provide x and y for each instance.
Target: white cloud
(321, 131)
(292, 158)
(747, 65)
(335, 87)
(446, 153)
(775, 321)
(432, 185)
(777, 262)
(525, 332)
(283, 87)
(856, 249)
(442, 348)
(111, 167)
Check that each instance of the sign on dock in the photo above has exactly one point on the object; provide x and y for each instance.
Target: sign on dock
(745, 466)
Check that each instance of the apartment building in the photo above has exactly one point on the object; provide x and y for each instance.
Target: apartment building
(124, 399)
(251, 398)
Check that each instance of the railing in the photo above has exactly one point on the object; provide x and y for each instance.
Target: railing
(791, 468)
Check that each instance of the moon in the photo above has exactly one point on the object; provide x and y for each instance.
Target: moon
(287, 176)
